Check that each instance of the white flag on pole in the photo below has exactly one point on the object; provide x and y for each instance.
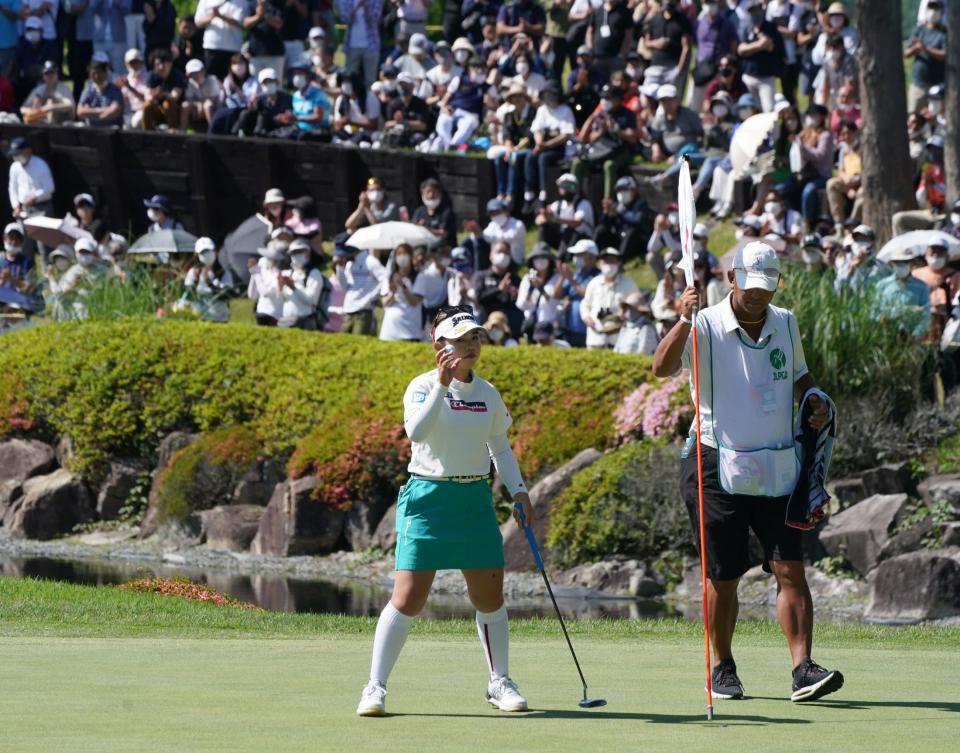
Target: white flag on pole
(687, 210)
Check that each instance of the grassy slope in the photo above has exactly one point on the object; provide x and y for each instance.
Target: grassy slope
(261, 694)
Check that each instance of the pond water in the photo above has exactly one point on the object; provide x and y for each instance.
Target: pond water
(297, 594)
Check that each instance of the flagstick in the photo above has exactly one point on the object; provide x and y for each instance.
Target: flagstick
(703, 527)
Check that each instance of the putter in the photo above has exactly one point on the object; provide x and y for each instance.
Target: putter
(586, 702)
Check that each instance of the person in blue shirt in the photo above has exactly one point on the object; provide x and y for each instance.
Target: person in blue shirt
(101, 104)
(575, 278)
(9, 31)
(903, 297)
(520, 16)
(110, 29)
(311, 107)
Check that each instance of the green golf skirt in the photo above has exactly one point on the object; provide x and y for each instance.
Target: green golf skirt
(443, 525)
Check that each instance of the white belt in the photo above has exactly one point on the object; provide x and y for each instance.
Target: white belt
(455, 479)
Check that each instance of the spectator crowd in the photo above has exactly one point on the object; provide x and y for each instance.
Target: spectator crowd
(582, 89)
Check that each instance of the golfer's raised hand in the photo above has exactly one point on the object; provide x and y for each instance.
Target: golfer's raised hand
(688, 301)
(446, 363)
(820, 415)
(524, 499)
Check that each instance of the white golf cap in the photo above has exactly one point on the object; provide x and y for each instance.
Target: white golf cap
(273, 195)
(456, 326)
(194, 66)
(33, 23)
(666, 91)
(63, 250)
(584, 246)
(568, 178)
(132, 54)
(462, 43)
(85, 246)
(701, 231)
(417, 44)
(13, 227)
(204, 244)
(756, 266)
(84, 198)
(266, 74)
(903, 254)
(298, 246)
(316, 32)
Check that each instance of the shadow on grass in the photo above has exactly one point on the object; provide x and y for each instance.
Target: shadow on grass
(843, 703)
(739, 720)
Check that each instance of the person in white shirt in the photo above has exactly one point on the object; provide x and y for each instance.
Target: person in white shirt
(457, 423)
(222, 24)
(30, 184)
(434, 280)
(201, 98)
(503, 227)
(665, 235)
(602, 298)
(402, 299)
(208, 283)
(264, 285)
(752, 371)
(569, 218)
(540, 295)
(71, 287)
(552, 127)
(304, 289)
(360, 275)
(779, 219)
(460, 287)
(638, 334)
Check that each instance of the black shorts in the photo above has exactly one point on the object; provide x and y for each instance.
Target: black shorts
(729, 518)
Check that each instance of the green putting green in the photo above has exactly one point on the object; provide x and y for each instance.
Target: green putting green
(88, 669)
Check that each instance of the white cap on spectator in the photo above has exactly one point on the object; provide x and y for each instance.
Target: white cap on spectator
(780, 106)
(568, 178)
(87, 198)
(33, 23)
(299, 246)
(406, 78)
(100, 58)
(266, 74)
(462, 43)
(132, 54)
(204, 244)
(273, 195)
(751, 221)
(584, 246)
(62, 250)
(701, 231)
(316, 32)
(85, 246)
(649, 90)
(756, 266)
(13, 227)
(194, 66)
(417, 44)
(666, 91)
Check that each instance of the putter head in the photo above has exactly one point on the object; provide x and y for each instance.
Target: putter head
(592, 703)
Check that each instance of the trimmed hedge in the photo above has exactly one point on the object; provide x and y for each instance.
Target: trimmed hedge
(118, 387)
(628, 502)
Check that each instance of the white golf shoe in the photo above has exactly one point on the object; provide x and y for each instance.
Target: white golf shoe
(371, 700)
(502, 692)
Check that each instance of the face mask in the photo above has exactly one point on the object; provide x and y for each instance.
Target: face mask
(631, 71)
(62, 264)
(739, 234)
(772, 207)
(431, 203)
(933, 16)
(523, 67)
(624, 197)
(810, 257)
(578, 263)
(10, 248)
(461, 56)
(375, 196)
(270, 89)
(862, 247)
(500, 260)
(347, 88)
(33, 36)
(207, 258)
(540, 264)
(240, 71)
(955, 218)
(403, 262)
(811, 121)
(721, 111)
(936, 107)
(936, 262)
(836, 55)
(299, 260)
(495, 335)
(500, 219)
(299, 81)
(673, 218)
(477, 76)
(442, 261)
(844, 106)
(609, 269)
(836, 22)
(153, 215)
(606, 104)
(85, 259)
(901, 269)
(317, 61)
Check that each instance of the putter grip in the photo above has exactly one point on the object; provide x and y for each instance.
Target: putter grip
(531, 539)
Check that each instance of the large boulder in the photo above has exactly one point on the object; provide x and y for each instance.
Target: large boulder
(951, 533)
(296, 523)
(385, 537)
(945, 488)
(892, 478)
(232, 527)
(21, 459)
(257, 485)
(122, 477)
(9, 491)
(515, 548)
(50, 506)
(360, 526)
(923, 585)
(859, 533)
(169, 446)
(617, 575)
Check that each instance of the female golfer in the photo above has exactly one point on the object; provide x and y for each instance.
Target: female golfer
(456, 422)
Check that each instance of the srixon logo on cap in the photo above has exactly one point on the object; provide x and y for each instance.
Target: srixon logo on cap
(460, 318)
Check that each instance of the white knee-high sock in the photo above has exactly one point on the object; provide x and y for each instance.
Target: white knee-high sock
(392, 629)
(494, 633)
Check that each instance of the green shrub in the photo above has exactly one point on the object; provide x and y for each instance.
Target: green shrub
(118, 387)
(204, 473)
(948, 455)
(628, 502)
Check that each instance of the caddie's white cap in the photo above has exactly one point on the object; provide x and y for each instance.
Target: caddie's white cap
(756, 266)
(584, 246)
(456, 326)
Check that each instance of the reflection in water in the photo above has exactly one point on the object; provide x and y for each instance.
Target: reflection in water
(288, 594)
